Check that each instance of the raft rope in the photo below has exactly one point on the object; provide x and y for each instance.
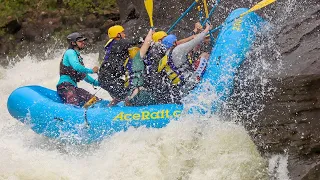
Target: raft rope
(87, 105)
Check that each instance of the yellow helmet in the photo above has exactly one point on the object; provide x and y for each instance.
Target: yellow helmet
(133, 51)
(114, 31)
(158, 36)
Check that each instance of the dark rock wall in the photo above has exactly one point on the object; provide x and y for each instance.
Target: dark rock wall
(277, 93)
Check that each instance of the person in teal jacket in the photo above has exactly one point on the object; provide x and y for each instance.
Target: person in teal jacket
(72, 71)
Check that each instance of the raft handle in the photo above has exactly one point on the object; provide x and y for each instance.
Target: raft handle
(59, 119)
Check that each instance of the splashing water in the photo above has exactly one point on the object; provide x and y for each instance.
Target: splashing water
(191, 148)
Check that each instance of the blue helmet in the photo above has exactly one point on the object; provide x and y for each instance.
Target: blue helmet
(169, 40)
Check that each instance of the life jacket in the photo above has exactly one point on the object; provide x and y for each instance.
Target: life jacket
(173, 73)
(68, 70)
(130, 74)
(127, 65)
(107, 49)
(194, 54)
(148, 63)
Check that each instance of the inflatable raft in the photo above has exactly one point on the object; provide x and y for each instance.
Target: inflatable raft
(44, 111)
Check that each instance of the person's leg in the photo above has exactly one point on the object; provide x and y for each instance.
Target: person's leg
(113, 102)
(68, 94)
(117, 91)
(141, 97)
(83, 95)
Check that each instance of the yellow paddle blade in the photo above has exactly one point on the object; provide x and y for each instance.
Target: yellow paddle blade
(90, 102)
(205, 8)
(198, 7)
(149, 7)
(258, 6)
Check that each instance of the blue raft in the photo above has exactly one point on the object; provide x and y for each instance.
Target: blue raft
(43, 110)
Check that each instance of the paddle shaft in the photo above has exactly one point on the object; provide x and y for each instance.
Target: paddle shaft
(205, 8)
(259, 6)
(211, 12)
(182, 16)
(200, 13)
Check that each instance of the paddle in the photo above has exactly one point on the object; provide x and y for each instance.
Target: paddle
(207, 18)
(200, 13)
(149, 7)
(182, 16)
(258, 6)
(91, 101)
(205, 8)
(211, 12)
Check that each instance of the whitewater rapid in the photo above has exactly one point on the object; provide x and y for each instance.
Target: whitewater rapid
(191, 148)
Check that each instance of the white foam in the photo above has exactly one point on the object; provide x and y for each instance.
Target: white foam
(191, 148)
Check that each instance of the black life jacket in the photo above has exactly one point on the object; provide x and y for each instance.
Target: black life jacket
(68, 70)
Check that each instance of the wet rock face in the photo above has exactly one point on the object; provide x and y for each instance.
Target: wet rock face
(299, 44)
(290, 123)
(285, 117)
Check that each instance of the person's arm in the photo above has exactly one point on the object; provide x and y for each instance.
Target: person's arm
(146, 44)
(181, 41)
(127, 43)
(74, 62)
(92, 81)
(196, 30)
(179, 52)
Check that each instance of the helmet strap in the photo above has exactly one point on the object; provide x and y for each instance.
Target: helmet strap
(74, 44)
(119, 36)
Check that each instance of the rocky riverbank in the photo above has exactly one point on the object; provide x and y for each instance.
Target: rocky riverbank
(35, 31)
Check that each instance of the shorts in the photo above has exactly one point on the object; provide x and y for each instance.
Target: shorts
(73, 95)
(116, 89)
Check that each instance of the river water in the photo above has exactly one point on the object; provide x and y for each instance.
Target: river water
(191, 148)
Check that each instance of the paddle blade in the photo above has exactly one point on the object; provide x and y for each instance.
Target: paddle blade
(205, 8)
(149, 7)
(259, 6)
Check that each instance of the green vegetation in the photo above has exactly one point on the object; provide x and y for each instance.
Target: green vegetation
(15, 9)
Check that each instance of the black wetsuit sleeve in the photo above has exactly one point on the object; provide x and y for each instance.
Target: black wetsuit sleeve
(127, 43)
